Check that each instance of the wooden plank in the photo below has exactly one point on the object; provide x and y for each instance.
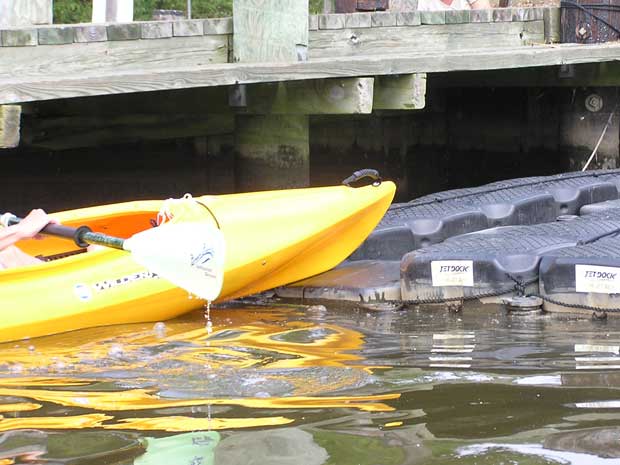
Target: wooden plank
(62, 133)
(269, 30)
(320, 97)
(433, 17)
(10, 117)
(406, 92)
(383, 19)
(408, 18)
(124, 32)
(357, 20)
(156, 30)
(481, 16)
(425, 38)
(90, 33)
(218, 26)
(188, 28)
(606, 74)
(56, 35)
(332, 21)
(458, 16)
(19, 38)
(97, 58)
(15, 13)
(24, 88)
(502, 15)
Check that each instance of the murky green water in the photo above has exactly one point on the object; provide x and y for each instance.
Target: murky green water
(308, 385)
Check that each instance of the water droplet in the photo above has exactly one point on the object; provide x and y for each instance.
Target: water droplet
(160, 329)
(59, 366)
(16, 368)
(31, 348)
(116, 350)
(208, 317)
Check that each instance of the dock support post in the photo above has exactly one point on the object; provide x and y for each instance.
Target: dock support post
(16, 13)
(272, 151)
(112, 11)
(10, 116)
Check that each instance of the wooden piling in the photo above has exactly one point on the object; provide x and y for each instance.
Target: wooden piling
(15, 13)
(272, 151)
(112, 11)
(10, 116)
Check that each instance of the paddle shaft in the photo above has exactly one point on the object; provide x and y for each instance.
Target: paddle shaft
(82, 235)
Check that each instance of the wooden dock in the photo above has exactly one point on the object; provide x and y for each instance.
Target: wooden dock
(51, 62)
(258, 76)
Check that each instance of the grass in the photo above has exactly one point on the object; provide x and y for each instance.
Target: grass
(79, 11)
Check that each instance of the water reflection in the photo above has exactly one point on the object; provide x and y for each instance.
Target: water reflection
(278, 384)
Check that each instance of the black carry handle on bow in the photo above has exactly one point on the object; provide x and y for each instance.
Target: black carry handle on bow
(360, 175)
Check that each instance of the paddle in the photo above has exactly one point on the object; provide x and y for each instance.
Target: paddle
(188, 254)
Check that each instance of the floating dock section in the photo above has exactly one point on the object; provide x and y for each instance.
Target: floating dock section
(487, 243)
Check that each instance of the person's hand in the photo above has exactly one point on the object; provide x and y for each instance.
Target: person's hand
(33, 223)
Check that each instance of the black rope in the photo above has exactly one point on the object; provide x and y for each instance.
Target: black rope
(519, 288)
(580, 306)
(571, 4)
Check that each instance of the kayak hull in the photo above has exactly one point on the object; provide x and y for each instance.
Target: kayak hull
(272, 238)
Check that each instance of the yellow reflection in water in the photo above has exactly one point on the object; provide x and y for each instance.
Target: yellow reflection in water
(179, 424)
(241, 339)
(21, 407)
(141, 399)
(92, 420)
(252, 336)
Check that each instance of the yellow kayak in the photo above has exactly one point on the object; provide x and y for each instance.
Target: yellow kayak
(272, 238)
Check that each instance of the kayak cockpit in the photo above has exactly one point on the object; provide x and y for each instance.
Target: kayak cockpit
(122, 224)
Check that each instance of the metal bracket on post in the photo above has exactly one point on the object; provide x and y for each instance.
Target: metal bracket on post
(238, 96)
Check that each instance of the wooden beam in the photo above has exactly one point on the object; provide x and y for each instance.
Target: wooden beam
(606, 74)
(31, 88)
(63, 133)
(318, 97)
(109, 57)
(10, 117)
(315, 97)
(396, 92)
(439, 38)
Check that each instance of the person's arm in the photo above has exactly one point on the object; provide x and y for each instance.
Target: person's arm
(27, 228)
(480, 5)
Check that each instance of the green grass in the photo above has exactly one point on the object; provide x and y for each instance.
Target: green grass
(79, 11)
